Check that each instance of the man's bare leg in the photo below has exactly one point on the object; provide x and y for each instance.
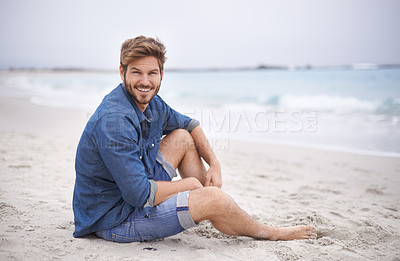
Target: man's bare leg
(180, 150)
(211, 203)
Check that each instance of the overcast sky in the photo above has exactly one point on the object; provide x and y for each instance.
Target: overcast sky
(207, 33)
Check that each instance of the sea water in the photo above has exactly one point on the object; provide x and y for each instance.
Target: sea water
(357, 110)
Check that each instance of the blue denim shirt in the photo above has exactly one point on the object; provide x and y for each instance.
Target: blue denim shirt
(116, 157)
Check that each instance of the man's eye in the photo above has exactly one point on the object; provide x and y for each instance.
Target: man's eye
(135, 72)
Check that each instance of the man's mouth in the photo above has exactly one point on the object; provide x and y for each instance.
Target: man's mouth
(143, 89)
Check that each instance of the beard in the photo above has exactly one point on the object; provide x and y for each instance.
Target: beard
(137, 97)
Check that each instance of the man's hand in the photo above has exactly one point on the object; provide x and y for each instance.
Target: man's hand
(213, 176)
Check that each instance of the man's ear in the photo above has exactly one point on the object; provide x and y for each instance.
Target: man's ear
(121, 73)
(162, 74)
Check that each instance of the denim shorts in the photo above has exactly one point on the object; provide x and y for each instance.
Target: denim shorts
(167, 218)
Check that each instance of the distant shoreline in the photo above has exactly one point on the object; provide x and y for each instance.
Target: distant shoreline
(356, 66)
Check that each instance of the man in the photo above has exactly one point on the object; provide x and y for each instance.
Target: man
(124, 166)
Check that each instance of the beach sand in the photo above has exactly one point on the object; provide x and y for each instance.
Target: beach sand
(353, 200)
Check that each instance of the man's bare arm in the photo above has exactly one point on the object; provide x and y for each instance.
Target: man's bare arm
(167, 189)
(213, 177)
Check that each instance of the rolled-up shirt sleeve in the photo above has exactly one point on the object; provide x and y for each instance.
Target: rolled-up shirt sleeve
(192, 124)
(152, 196)
(117, 141)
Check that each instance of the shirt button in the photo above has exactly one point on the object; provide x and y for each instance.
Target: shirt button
(140, 157)
(152, 144)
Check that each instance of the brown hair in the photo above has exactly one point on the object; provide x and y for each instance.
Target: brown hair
(142, 46)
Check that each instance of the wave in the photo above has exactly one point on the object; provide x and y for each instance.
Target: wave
(71, 90)
(322, 103)
(87, 90)
(326, 103)
(340, 104)
(390, 106)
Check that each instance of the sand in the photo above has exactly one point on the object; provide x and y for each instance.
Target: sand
(353, 200)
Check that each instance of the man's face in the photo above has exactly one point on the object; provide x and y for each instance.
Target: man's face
(142, 80)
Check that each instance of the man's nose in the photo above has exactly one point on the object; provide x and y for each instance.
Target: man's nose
(144, 80)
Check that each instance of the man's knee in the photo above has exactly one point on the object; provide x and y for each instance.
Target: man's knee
(208, 202)
(181, 134)
(216, 197)
(180, 139)
(193, 183)
(185, 137)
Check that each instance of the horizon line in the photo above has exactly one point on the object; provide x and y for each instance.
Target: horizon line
(354, 66)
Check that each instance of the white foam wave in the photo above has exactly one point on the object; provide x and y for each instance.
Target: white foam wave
(322, 103)
(69, 90)
(328, 103)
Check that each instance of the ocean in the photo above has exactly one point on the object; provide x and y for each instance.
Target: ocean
(346, 110)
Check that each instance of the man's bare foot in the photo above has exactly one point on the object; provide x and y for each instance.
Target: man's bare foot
(292, 233)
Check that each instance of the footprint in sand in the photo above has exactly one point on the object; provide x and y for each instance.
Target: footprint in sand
(20, 166)
(336, 214)
(391, 209)
(361, 170)
(375, 191)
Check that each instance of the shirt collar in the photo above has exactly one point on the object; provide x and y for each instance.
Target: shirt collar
(147, 115)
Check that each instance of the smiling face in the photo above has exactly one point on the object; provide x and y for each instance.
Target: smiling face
(142, 80)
